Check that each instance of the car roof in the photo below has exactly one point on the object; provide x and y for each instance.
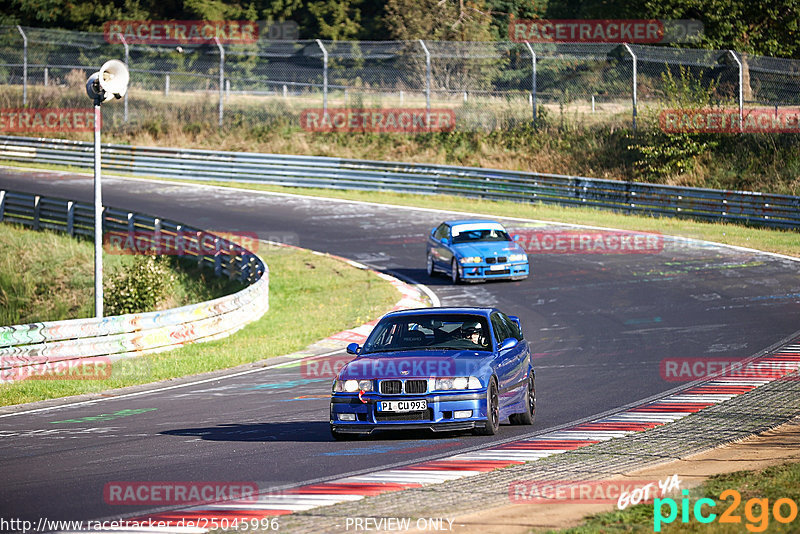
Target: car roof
(471, 221)
(484, 312)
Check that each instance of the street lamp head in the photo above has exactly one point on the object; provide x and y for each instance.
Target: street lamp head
(111, 80)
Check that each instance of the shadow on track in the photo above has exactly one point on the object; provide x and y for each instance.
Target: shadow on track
(441, 279)
(297, 431)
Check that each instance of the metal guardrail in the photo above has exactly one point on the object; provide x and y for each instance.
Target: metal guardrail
(26, 349)
(762, 209)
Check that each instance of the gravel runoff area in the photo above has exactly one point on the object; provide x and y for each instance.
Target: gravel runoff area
(759, 410)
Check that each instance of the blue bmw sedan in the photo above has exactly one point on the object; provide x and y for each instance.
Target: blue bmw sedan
(475, 250)
(440, 369)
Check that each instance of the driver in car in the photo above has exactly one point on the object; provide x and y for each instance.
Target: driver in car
(473, 332)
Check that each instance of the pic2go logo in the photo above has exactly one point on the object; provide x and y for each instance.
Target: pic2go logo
(756, 511)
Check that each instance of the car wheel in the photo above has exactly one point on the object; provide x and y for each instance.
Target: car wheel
(430, 267)
(492, 410)
(526, 417)
(454, 271)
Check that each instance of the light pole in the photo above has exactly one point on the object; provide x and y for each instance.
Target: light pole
(111, 80)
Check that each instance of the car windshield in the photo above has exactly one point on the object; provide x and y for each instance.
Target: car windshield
(480, 234)
(429, 332)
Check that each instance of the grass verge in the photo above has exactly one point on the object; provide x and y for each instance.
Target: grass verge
(311, 296)
(62, 286)
(754, 512)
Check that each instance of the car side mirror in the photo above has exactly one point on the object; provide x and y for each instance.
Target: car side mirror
(353, 348)
(508, 343)
(445, 241)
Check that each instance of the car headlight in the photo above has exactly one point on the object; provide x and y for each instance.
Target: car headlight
(459, 382)
(351, 386)
(471, 259)
(518, 257)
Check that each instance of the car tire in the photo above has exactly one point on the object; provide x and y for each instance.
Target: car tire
(492, 411)
(430, 267)
(526, 417)
(454, 271)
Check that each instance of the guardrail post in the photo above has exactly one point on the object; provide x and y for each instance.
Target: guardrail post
(221, 78)
(36, 209)
(741, 87)
(244, 271)
(157, 234)
(217, 257)
(24, 66)
(324, 77)
(427, 83)
(71, 218)
(46, 76)
(166, 84)
(2, 204)
(533, 80)
(125, 98)
(179, 246)
(131, 223)
(200, 250)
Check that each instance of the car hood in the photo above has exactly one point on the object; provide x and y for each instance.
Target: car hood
(418, 364)
(489, 248)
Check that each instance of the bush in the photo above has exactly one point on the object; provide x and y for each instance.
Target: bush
(138, 287)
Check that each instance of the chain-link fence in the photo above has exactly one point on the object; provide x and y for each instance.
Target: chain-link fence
(486, 85)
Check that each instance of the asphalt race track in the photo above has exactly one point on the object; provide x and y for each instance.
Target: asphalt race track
(600, 326)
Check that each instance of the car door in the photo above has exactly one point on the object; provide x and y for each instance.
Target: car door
(520, 354)
(440, 246)
(505, 360)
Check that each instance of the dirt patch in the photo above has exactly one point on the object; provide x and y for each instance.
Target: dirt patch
(774, 447)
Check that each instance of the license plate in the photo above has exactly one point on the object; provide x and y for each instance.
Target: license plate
(403, 406)
(499, 267)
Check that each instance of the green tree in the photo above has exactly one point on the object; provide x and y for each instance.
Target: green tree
(763, 27)
(440, 20)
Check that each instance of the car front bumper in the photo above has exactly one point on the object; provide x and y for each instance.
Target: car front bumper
(484, 271)
(439, 417)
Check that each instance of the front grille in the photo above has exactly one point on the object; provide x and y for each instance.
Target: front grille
(498, 259)
(501, 259)
(427, 415)
(416, 386)
(391, 387)
(497, 273)
(491, 260)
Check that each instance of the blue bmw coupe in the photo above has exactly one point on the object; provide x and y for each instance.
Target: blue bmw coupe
(440, 369)
(475, 250)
